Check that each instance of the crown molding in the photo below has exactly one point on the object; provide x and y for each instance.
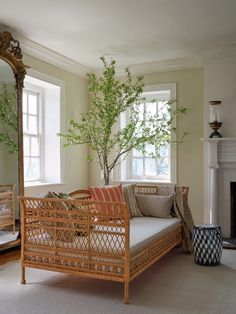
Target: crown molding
(195, 61)
(47, 55)
(160, 66)
(219, 53)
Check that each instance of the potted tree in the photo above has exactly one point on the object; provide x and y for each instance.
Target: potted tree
(110, 97)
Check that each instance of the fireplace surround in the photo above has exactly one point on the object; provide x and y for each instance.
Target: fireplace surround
(220, 178)
(233, 210)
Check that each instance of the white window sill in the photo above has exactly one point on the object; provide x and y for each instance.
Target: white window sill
(38, 184)
(146, 181)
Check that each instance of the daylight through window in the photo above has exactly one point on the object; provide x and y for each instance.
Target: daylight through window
(154, 164)
(32, 136)
(41, 124)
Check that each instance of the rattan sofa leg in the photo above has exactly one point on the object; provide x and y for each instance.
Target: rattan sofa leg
(126, 292)
(23, 281)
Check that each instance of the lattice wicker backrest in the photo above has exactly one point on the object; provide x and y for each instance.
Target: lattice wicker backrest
(155, 189)
(87, 226)
(162, 189)
(150, 189)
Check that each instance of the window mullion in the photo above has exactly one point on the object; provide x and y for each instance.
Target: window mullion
(144, 118)
(42, 134)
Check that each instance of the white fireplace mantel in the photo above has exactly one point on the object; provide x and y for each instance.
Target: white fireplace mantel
(221, 150)
(221, 158)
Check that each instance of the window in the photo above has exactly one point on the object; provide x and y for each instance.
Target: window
(32, 135)
(153, 165)
(144, 165)
(41, 124)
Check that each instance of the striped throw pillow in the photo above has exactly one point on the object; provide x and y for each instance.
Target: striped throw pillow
(107, 194)
(131, 201)
(112, 193)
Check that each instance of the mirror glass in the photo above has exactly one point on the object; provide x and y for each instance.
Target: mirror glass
(9, 188)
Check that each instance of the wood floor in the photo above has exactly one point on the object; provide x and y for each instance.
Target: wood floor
(9, 255)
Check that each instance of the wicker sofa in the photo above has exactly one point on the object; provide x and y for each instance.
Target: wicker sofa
(82, 237)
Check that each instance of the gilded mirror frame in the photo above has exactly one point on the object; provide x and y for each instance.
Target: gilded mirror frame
(10, 52)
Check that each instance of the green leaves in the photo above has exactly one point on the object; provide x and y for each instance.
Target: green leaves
(98, 127)
(8, 117)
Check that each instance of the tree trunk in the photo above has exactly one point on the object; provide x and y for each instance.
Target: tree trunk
(106, 176)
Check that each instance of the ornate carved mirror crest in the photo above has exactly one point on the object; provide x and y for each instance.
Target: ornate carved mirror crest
(10, 52)
(12, 74)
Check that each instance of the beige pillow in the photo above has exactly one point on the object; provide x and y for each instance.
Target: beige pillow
(128, 190)
(62, 235)
(82, 227)
(155, 205)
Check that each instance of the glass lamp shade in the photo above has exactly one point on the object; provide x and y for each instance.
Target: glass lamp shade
(215, 109)
(215, 123)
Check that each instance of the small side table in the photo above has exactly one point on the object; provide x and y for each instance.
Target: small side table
(207, 244)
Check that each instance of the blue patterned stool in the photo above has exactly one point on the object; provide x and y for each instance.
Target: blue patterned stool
(207, 244)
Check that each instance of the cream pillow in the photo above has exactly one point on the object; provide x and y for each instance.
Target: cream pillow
(155, 205)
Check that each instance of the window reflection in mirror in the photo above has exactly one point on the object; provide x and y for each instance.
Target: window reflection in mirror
(8, 155)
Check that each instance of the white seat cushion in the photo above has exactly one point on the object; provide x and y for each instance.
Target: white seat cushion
(147, 229)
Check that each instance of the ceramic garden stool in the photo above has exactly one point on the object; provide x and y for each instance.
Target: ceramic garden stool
(207, 244)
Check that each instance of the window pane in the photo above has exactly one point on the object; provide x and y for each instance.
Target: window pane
(150, 109)
(136, 153)
(26, 168)
(141, 111)
(163, 166)
(34, 146)
(31, 169)
(149, 150)
(137, 167)
(164, 151)
(26, 146)
(33, 125)
(138, 130)
(162, 109)
(161, 106)
(24, 102)
(25, 128)
(150, 167)
(33, 104)
(35, 168)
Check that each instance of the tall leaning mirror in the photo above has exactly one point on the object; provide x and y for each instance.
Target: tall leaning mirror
(12, 73)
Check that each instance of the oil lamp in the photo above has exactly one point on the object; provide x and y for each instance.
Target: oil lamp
(215, 123)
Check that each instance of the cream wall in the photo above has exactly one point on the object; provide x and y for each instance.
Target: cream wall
(75, 103)
(219, 84)
(190, 153)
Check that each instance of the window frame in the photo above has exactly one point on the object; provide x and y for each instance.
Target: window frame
(37, 90)
(31, 73)
(123, 172)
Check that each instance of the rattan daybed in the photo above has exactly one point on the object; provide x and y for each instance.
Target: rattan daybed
(79, 237)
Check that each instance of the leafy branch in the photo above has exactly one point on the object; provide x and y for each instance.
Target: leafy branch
(8, 117)
(110, 98)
